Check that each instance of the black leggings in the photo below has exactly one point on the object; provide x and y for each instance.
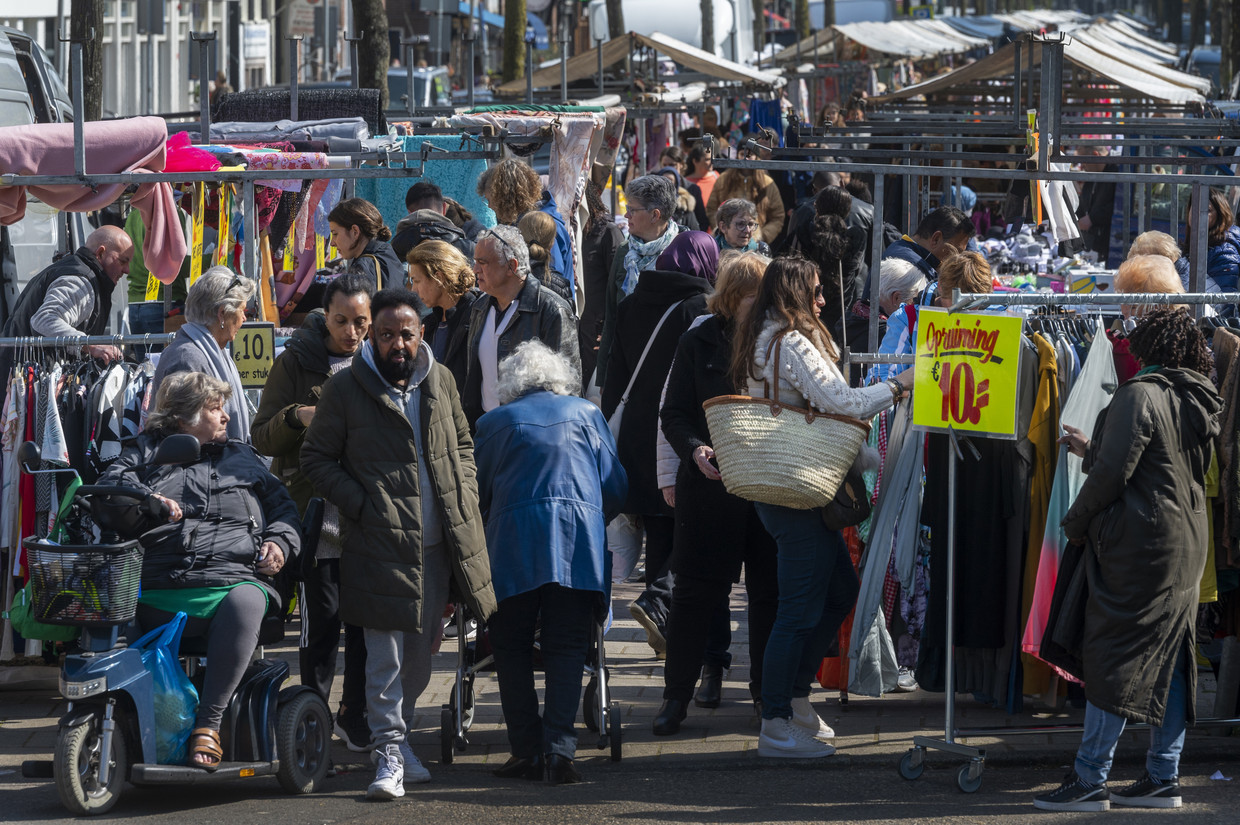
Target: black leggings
(232, 635)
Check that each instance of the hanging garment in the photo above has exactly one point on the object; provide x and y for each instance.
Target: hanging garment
(1043, 433)
(12, 428)
(766, 114)
(1091, 393)
(1227, 364)
(898, 505)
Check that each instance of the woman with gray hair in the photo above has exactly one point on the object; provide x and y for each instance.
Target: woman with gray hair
(548, 481)
(737, 227)
(651, 202)
(214, 312)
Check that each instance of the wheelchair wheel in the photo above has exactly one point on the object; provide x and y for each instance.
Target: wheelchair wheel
(303, 743)
(589, 705)
(79, 754)
(447, 735)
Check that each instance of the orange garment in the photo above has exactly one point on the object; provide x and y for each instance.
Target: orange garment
(1043, 433)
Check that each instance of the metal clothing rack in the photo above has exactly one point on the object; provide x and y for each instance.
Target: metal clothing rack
(969, 777)
(67, 341)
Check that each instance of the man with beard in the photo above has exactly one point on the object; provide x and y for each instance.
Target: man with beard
(390, 447)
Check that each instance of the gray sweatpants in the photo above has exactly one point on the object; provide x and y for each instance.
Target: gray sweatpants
(398, 664)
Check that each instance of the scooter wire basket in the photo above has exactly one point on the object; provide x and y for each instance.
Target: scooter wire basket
(90, 586)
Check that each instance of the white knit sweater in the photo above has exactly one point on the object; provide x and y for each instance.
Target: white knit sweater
(805, 375)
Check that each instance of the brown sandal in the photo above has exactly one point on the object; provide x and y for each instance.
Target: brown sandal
(205, 742)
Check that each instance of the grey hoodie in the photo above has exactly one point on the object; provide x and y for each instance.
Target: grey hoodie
(410, 400)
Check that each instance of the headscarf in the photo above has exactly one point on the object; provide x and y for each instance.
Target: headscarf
(642, 254)
(692, 253)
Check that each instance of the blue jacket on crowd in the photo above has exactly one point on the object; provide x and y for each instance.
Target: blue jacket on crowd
(1223, 269)
(548, 482)
(562, 251)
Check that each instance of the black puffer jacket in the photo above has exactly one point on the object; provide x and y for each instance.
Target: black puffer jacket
(232, 506)
(455, 354)
(379, 263)
(540, 314)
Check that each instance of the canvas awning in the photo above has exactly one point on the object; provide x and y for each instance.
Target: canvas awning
(614, 50)
(912, 38)
(1105, 59)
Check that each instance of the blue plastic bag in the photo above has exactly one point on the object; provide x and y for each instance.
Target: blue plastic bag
(176, 700)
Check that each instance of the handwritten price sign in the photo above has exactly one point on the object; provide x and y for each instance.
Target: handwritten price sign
(967, 369)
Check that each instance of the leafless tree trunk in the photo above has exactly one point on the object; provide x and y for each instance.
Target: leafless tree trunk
(759, 25)
(514, 40)
(708, 26)
(615, 19)
(1196, 23)
(802, 15)
(86, 25)
(370, 22)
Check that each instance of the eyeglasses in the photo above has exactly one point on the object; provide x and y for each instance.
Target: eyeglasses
(642, 208)
(509, 253)
(746, 226)
(817, 292)
(234, 283)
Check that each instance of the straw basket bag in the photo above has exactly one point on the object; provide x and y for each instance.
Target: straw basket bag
(777, 454)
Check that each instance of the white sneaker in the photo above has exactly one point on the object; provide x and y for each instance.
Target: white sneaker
(415, 772)
(782, 738)
(387, 784)
(804, 716)
(906, 683)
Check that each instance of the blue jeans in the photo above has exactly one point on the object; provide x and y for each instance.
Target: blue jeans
(817, 589)
(567, 623)
(1103, 729)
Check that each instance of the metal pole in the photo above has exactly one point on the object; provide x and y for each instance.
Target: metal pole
(563, 56)
(150, 67)
(353, 50)
(876, 254)
(598, 44)
(470, 74)
(79, 103)
(949, 675)
(529, 66)
(408, 43)
(204, 41)
(1198, 215)
(294, 74)
(1016, 82)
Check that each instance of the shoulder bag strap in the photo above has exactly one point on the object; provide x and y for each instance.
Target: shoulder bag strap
(378, 270)
(649, 343)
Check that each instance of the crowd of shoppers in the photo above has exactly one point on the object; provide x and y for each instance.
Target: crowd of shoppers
(434, 401)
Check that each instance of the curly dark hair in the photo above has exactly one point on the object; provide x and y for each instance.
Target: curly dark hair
(1169, 338)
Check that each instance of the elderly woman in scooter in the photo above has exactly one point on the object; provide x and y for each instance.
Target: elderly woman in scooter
(231, 526)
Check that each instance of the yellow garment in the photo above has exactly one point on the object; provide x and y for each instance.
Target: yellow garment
(1209, 576)
(266, 283)
(1043, 433)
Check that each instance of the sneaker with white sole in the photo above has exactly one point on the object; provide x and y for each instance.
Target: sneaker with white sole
(784, 739)
(1148, 792)
(1075, 794)
(353, 730)
(415, 772)
(906, 682)
(804, 716)
(389, 777)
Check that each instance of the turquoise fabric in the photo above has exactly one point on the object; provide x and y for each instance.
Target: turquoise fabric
(457, 179)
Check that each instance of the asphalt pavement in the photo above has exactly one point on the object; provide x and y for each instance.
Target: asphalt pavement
(710, 772)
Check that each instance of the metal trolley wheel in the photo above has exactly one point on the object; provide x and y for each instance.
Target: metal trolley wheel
(912, 764)
(969, 777)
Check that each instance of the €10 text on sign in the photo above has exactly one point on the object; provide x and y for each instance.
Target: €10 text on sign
(967, 370)
(254, 351)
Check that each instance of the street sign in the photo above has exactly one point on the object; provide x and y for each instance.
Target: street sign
(254, 351)
(967, 372)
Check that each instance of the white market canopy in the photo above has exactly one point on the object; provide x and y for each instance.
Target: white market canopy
(1091, 50)
(912, 38)
(691, 57)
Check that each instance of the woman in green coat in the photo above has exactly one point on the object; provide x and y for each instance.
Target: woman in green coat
(1142, 512)
(325, 344)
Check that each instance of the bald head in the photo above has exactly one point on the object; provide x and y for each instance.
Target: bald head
(113, 249)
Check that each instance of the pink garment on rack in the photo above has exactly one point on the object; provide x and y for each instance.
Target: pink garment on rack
(258, 161)
(135, 144)
(184, 157)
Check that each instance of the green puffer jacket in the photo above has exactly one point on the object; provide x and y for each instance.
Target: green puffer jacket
(296, 380)
(360, 455)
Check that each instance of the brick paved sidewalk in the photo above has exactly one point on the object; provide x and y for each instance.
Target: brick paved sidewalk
(869, 731)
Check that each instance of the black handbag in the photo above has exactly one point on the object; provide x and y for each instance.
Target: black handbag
(851, 504)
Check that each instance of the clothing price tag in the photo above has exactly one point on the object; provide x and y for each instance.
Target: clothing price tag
(967, 372)
(253, 351)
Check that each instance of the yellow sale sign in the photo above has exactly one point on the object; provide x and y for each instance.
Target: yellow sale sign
(967, 369)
